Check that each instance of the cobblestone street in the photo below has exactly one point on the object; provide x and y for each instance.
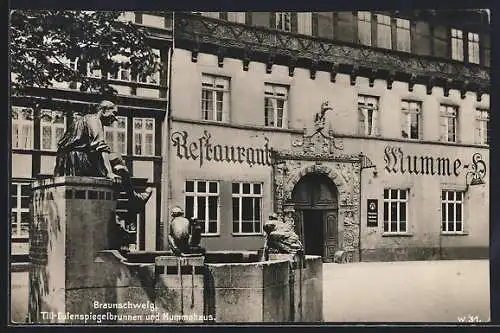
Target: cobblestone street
(409, 291)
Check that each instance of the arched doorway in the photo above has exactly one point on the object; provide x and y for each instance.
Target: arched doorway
(315, 198)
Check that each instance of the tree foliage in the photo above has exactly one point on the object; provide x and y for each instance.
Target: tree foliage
(42, 44)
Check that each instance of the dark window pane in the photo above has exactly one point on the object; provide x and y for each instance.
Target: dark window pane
(236, 226)
(450, 226)
(13, 202)
(257, 227)
(386, 194)
(443, 195)
(236, 209)
(394, 194)
(236, 188)
(443, 212)
(459, 196)
(443, 226)
(189, 186)
(257, 188)
(459, 226)
(386, 211)
(394, 211)
(246, 227)
(402, 212)
(25, 202)
(451, 212)
(212, 208)
(13, 190)
(247, 209)
(458, 213)
(256, 204)
(246, 188)
(201, 208)
(402, 194)
(451, 195)
(25, 217)
(386, 226)
(212, 227)
(394, 226)
(25, 190)
(189, 204)
(202, 187)
(402, 227)
(213, 187)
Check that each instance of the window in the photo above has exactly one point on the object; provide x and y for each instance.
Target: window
(52, 126)
(238, 17)
(365, 28)
(122, 75)
(304, 23)
(275, 106)
(482, 127)
(22, 128)
(384, 31)
(395, 211)
(247, 208)
(473, 44)
(457, 45)
(20, 212)
(151, 79)
(451, 211)
(92, 71)
(116, 135)
(214, 98)
(410, 125)
(403, 35)
(144, 130)
(368, 115)
(448, 116)
(202, 202)
(153, 20)
(284, 21)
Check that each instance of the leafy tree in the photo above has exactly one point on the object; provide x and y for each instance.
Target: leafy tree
(44, 42)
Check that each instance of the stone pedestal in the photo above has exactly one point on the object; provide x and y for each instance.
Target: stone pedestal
(73, 219)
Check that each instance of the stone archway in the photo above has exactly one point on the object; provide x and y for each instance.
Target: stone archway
(345, 174)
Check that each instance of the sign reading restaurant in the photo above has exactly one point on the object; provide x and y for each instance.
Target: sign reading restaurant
(203, 149)
(396, 161)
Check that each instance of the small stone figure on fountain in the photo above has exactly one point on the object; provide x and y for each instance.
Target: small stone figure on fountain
(185, 235)
(280, 237)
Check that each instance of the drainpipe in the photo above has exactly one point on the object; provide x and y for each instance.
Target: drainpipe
(165, 184)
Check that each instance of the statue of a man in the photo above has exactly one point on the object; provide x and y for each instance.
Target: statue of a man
(83, 151)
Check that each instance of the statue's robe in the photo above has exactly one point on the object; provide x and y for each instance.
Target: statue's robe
(80, 148)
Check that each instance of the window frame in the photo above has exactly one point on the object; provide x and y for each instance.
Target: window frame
(283, 21)
(482, 117)
(457, 44)
(447, 115)
(275, 92)
(403, 29)
(473, 56)
(365, 19)
(195, 194)
(143, 132)
(384, 22)
(20, 123)
(240, 195)
(398, 201)
(53, 127)
(223, 87)
(114, 129)
(363, 122)
(406, 113)
(18, 210)
(454, 202)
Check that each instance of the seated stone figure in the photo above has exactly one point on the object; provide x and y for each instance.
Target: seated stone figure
(83, 151)
(185, 235)
(281, 238)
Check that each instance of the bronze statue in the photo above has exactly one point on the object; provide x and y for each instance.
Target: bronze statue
(185, 235)
(281, 238)
(83, 151)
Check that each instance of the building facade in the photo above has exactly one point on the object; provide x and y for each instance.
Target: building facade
(388, 173)
(41, 117)
(369, 127)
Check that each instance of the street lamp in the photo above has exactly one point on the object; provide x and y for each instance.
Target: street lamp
(476, 179)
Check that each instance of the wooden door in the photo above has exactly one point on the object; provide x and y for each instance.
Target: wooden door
(331, 243)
